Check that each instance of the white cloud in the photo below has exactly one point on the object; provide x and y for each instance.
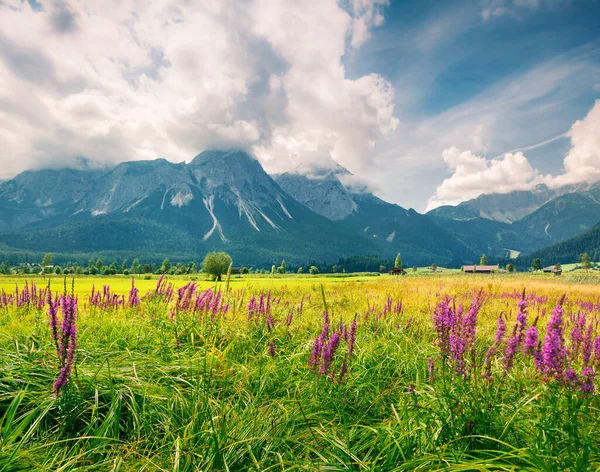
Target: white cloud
(516, 8)
(122, 80)
(474, 175)
(582, 162)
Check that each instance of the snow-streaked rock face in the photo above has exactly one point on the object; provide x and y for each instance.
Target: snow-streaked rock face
(321, 190)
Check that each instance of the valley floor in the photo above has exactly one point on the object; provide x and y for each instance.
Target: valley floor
(442, 371)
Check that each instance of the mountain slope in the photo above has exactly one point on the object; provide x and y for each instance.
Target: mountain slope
(393, 228)
(563, 217)
(568, 251)
(504, 207)
(222, 200)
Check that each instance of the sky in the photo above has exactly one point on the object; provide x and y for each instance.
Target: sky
(429, 102)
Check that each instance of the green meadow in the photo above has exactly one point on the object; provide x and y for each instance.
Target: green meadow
(263, 373)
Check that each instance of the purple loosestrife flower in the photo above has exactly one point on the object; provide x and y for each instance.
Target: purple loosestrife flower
(500, 331)
(587, 344)
(53, 306)
(553, 356)
(343, 371)
(329, 352)
(487, 373)
(587, 385)
(68, 341)
(515, 341)
(443, 322)
(597, 350)
(531, 340)
(410, 388)
(352, 338)
(571, 378)
(271, 348)
(134, 298)
(431, 369)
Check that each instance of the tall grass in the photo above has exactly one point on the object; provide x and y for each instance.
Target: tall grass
(158, 386)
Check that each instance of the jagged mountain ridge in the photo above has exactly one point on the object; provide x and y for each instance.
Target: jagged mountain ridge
(220, 200)
(506, 207)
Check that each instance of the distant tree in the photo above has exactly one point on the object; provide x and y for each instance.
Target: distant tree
(166, 266)
(334, 268)
(398, 262)
(586, 264)
(415, 269)
(58, 270)
(299, 270)
(147, 269)
(193, 268)
(47, 260)
(510, 268)
(433, 267)
(382, 268)
(536, 265)
(91, 263)
(557, 266)
(216, 264)
(281, 268)
(136, 268)
(313, 270)
(93, 270)
(273, 269)
(483, 260)
(124, 266)
(244, 270)
(99, 264)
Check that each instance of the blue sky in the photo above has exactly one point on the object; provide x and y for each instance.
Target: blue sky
(440, 56)
(429, 102)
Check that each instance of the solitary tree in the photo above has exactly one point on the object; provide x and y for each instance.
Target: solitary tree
(166, 266)
(585, 261)
(483, 260)
(415, 269)
(433, 267)
(557, 266)
(216, 264)
(147, 268)
(299, 270)
(47, 260)
(313, 270)
(281, 268)
(398, 262)
(510, 268)
(536, 265)
(136, 268)
(381, 268)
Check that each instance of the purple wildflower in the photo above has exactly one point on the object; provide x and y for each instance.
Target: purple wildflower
(587, 385)
(271, 348)
(553, 357)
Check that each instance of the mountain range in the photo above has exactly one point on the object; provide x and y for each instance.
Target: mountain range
(224, 200)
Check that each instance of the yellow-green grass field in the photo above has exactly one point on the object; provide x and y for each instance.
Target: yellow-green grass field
(211, 378)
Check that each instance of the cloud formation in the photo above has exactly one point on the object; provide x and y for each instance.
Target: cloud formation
(516, 8)
(121, 80)
(475, 175)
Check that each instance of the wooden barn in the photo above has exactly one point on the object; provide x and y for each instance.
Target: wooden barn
(480, 269)
(396, 271)
(552, 270)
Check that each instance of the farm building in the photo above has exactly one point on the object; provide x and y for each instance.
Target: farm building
(480, 269)
(552, 270)
(396, 271)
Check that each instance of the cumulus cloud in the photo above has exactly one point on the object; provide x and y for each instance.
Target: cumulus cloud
(475, 175)
(582, 162)
(122, 80)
